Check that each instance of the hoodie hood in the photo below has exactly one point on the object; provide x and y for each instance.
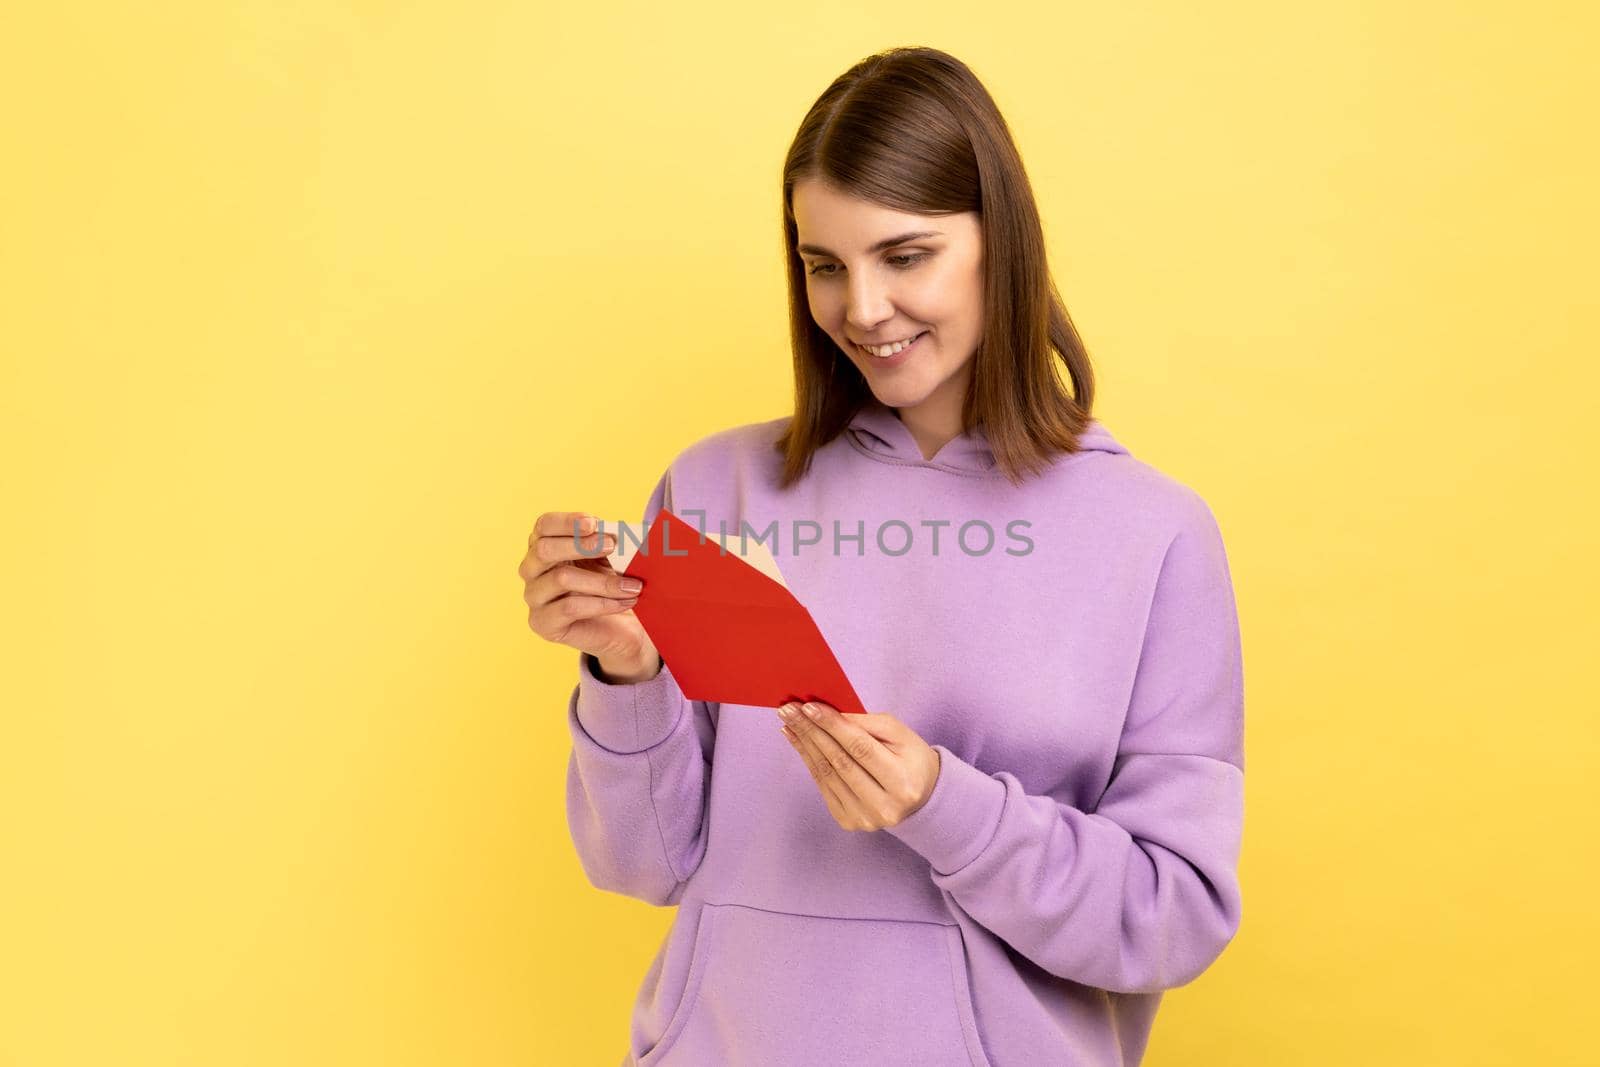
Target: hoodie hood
(877, 430)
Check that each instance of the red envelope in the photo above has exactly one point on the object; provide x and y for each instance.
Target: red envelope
(728, 631)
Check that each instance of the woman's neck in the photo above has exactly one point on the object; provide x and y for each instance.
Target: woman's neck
(937, 420)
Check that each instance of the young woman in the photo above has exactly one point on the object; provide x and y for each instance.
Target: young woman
(1039, 833)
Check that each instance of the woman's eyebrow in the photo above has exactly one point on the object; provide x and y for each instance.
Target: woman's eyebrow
(888, 242)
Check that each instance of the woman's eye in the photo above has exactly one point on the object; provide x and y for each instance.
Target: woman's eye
(902, 262)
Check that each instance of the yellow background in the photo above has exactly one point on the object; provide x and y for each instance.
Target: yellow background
(309, 308)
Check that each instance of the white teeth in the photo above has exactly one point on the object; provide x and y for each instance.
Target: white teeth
(885, 351)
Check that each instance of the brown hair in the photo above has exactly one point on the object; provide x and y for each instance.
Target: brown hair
(913, 129)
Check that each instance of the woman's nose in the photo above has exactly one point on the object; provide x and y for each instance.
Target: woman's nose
(868, 304)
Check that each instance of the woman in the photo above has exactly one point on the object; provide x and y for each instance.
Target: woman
(1041, 834)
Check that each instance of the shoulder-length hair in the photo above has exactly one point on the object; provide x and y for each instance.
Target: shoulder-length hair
(913, 129)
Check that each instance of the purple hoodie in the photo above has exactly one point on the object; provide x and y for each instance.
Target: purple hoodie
(1077, 667)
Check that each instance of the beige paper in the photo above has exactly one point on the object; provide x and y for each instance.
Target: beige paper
(754, 552)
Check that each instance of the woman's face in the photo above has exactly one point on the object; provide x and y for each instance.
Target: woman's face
(867, 282)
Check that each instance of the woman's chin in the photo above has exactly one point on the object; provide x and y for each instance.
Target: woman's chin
(896, 395)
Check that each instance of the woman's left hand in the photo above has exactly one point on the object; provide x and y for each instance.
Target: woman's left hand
(873, 770)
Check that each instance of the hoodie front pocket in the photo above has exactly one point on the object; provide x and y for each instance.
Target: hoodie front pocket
(780, 989)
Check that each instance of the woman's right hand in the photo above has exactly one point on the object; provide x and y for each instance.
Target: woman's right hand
(579, 600)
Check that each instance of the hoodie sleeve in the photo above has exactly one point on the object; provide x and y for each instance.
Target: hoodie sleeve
(638, 775)
(1141, 894)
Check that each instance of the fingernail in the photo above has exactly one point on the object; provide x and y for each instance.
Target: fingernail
(786, 712)
(812, 710)
(631, 585)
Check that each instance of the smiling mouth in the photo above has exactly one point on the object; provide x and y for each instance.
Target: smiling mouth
(904, 346)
